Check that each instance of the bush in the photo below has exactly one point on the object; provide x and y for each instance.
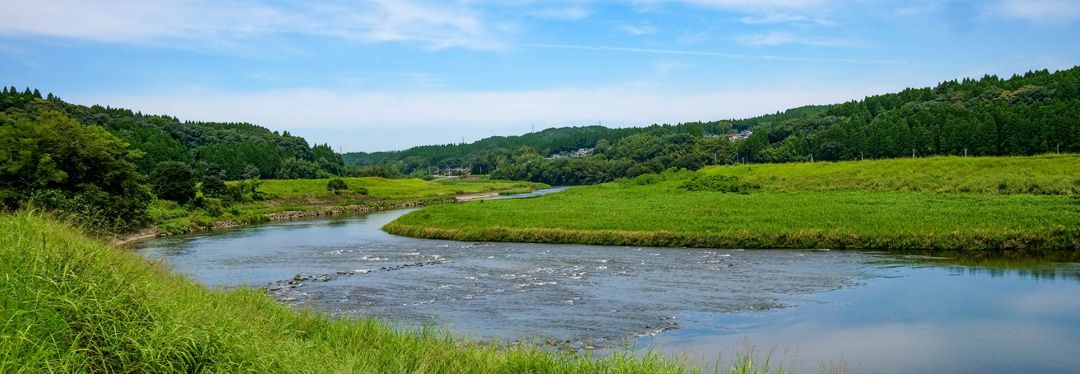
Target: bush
(336, 184)
(213, 186)
(717, 183)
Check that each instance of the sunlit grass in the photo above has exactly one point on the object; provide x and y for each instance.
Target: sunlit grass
(854, 205)
(70, 303)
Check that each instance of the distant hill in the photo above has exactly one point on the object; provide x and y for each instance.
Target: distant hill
(1033, 113)
(237, 150)
(557, 140)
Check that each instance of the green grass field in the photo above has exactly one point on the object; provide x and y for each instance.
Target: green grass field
(947, 203)
(304, 195)
(72, 304)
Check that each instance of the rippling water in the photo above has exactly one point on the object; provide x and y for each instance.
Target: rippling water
(861, 311)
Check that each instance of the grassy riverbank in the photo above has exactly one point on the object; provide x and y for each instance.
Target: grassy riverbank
(943, 203)
(281, 199)
(70, 303)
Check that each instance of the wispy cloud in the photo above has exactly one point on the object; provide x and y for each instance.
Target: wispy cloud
(569, 13)
(201, 22)
(637, 30)
(687, 52)
(746, 4)
(783, 18)
(781, 38)
(1041, 11)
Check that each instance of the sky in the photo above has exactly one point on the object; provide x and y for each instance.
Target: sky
(374, 75)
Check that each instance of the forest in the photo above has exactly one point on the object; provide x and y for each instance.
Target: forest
(105, 165)
(1034, 113)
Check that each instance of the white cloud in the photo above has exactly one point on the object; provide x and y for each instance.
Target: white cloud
(1042, 11)
(432, 24)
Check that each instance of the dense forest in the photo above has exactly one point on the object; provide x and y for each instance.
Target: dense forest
(105, 164)
(1037, 112)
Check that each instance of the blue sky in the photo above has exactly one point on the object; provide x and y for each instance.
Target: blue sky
(380, 74)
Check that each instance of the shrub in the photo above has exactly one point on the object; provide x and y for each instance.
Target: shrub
(717, 183)
(336, 184)
(213, 186)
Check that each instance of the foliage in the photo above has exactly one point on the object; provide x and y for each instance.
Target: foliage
(717, 183)
(213, 186)
(173, 180)
(50, 161)
(893, 204)
(336, 184)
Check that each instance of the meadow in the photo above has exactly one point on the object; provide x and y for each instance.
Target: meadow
(310, 197)
(942, 203)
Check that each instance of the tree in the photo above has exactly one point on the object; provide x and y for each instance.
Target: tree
(49, 160)
(212, 185)
(173, 180)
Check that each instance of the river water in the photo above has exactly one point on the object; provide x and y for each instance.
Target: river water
(806, 310)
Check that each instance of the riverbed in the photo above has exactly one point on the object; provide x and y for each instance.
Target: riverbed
(806, 310)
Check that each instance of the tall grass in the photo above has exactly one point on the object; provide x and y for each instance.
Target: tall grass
(69, 303)
(854, 205)
(1045, 175)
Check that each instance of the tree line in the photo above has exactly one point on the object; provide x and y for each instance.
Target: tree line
(1033, 113)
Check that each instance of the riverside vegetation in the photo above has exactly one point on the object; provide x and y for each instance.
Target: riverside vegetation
(253, 201)
(1027, 204)
(71, 303)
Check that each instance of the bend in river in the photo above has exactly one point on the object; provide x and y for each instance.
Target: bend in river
(811, 309)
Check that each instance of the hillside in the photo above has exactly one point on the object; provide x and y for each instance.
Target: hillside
(233, 150)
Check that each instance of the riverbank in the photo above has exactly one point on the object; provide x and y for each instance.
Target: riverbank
(75, 304)
(1028, 204)
(309, 198)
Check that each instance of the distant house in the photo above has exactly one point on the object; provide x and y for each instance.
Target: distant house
(450, 172)
(741, 135)
(580, 153)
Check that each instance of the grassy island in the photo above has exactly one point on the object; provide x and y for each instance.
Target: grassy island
(939, 203)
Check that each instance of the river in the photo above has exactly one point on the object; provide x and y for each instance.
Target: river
(806, 310)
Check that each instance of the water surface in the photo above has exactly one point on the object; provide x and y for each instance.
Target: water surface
(865, 312)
